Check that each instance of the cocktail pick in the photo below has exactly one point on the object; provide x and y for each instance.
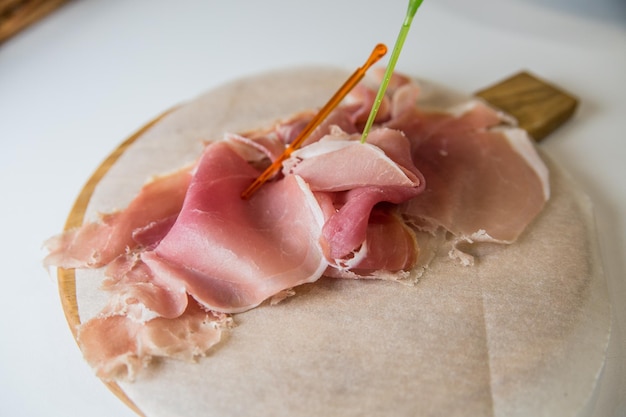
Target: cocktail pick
(378, 52)
(404, 30)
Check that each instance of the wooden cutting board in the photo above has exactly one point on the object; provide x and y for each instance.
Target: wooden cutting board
(539, 107)
(17, 15)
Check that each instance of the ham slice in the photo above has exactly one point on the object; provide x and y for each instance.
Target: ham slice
(389, 251)
(485, 182)
(135, 293)
(339, 162)
(359, 104)
(232, 254)
(360, 176)
(117, 347)
(98, 243)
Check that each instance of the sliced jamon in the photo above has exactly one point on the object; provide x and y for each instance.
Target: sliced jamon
(257, 147)
(389, 251)
(135, 293)
(188, 246)
(483, 182)
(360, 176)
(360, 101)
(231, 254)
(96, 244)
(117, 347)
(339, 162)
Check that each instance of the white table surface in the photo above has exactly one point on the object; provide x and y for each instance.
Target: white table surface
(76, 84)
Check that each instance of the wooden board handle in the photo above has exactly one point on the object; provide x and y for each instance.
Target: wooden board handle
(539, 107)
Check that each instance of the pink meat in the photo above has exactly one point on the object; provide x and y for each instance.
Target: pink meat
(118, 347)
(135, 293)
(483, 183)
(345, 231)
(97, 244)
(341, 117)
(361, 176)
(360, 101)
(339, 162)
(151, 234)
(391, 249)
(289, 129)
(396, 81)
(392, 245)
(231, 254)
(257, 147)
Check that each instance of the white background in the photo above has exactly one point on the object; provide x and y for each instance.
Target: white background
(76, 84)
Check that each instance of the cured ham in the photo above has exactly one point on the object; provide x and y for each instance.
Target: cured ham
(135, 293)
(118, 347)
(188, 251)
(391, 250)
(339, 162)
(98, 243)
(231, 254)
(362, 175)
(488, 186)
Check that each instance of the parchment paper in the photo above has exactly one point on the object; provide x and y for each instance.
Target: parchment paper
(524, 332)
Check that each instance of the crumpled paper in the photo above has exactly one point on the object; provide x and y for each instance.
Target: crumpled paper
(523, 332)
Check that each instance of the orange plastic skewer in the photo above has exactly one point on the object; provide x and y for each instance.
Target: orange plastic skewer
(378, 52)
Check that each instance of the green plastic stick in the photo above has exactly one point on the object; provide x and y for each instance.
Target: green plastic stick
(412, 9)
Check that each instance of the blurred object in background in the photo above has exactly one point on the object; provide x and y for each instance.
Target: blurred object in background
(16, 15)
